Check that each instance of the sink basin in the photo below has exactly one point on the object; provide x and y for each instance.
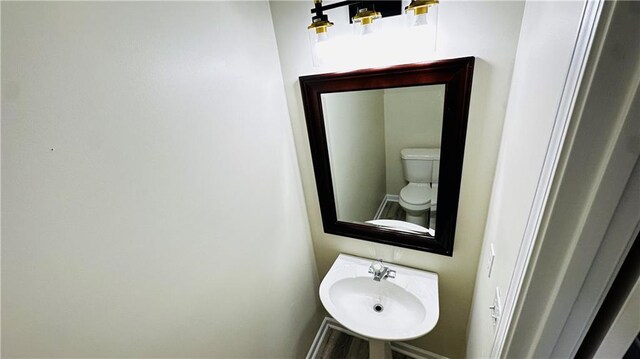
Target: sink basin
(400, 308)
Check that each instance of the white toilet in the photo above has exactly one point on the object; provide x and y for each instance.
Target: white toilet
(421, 167)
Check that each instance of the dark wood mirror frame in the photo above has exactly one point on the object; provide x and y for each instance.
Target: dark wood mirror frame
(456, 75)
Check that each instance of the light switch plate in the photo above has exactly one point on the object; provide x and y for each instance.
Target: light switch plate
(496, 308)
(490, 258)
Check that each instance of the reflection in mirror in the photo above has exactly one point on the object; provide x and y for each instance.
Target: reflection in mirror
(384, 153)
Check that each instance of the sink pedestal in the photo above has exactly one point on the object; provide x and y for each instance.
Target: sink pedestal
(379, 349)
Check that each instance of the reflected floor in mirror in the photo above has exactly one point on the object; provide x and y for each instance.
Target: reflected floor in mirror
(391, 209)
(339, 345)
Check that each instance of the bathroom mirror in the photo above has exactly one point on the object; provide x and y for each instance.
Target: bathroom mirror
(387, 147)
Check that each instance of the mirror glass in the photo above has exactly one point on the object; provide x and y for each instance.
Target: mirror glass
(384, 154)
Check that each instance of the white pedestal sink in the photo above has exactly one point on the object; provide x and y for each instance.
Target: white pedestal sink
(392, 309)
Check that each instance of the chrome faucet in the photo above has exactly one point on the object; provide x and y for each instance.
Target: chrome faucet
(380, 271)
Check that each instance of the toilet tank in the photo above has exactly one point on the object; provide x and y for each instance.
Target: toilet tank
(420, 165)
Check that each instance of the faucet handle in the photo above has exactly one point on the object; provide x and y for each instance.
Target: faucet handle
(391, 273)
(376, 267)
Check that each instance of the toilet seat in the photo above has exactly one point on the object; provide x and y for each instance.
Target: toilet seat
(401, 226)
(416, 196)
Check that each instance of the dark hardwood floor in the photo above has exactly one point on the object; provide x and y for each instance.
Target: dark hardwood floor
(339, 345)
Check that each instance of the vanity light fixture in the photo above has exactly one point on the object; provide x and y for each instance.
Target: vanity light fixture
(420, 8)
(365, 17)
(361, 13)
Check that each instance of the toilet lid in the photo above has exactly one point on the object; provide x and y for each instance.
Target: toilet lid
(416, 193)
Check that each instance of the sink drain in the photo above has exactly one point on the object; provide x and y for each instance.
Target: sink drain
(378, 308)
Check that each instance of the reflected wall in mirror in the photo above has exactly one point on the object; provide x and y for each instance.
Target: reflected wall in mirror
(387, 149)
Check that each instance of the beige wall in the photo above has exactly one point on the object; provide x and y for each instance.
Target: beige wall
(412, 119)
(487, 30)
(546, 44)
(355, 134)
(151, 202)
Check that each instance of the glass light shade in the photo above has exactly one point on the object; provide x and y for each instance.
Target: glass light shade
(417, 12)
(417, 20)
(317, 36)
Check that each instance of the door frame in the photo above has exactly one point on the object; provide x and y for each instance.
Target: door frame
(556, 288)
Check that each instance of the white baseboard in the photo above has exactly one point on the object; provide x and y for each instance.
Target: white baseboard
(414, 352)
(399, 347)
(385, 199)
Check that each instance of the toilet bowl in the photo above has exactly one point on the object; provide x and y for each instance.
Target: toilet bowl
(415, 199)
(419, 198)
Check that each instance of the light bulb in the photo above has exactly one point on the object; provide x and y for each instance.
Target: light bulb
(365, 22)
(419, 20)
(318, 34)
(366, 29)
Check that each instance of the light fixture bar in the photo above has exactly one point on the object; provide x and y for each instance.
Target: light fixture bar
(333, 6)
